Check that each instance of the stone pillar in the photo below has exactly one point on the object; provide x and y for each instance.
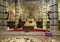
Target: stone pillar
(59, 10)
(53, 15)
(17, 14)
(44, 14)
(3, 15)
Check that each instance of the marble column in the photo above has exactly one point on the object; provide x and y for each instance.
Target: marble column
(53, 15)
(3, 15)
(17, 14)
(44, 14)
